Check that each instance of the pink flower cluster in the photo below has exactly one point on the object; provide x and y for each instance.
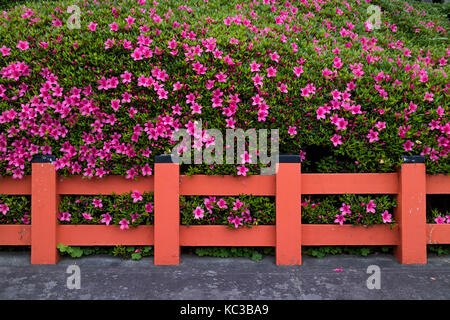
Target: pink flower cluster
(15, 71)
(370, 208)
(238, 215)
(442, 220)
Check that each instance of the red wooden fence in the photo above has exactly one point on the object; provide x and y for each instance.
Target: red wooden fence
(410, 237)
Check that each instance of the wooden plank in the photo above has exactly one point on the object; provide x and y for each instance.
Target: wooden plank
(227, 185)
(15, 235)
(105, 186)
(354, 183)
(256, 236)
(102, 235)
(330, 235)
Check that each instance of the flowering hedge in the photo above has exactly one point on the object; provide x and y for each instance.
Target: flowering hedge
(242, 211)
(15, 209)
(245, 211)
(349, 209)
(105, 98)
(127, 209)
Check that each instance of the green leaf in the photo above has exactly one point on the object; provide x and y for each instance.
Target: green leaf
(136, 256)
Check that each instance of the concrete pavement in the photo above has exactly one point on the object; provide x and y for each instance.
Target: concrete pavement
(204, 278)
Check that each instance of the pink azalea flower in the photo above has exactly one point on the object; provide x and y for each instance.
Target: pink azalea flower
(149, 207)
(106, 218)
(340, 219)
(237, 204)
(283, 88)
(321, 111)
(23, 45)
(257, 80)
(208, 204)
(136, 195)
(222, 204)
(209, 84)
(100, 172)
(336, 94)
(440, 220)
(146, 170)
(162, 94)
(130, 20)
(372, 136)
(370, 207)
(341, 124)
(92, 26)
(114, 26)
(237, 222)
(177, 86)
(115, 104)
(131, 173)
(274, 56)
(87, 216)
(298, 70)
(126, 97)
(242, 171)
(255, 67)
(127, 44)
(428, 96)
(337, 63)
(230, 123)
(64, 216)
(302, 155)
(198, 213)
(380, 125)
(5, 51)
(97, 203)
(134, 216)
(292, 130)
(4, 208)
(124, 224)
(172, 44)
(345, 209)
(336, 139)
(408, 145)
(327, 73)
(246, 157)
(386, 217)
(271, 72)
(25, 219)
(221, 77)
(57, 23)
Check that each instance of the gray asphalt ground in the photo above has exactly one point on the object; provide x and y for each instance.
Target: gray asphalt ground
(204, 278)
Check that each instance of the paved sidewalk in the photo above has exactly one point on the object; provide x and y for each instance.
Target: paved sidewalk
(203, 278)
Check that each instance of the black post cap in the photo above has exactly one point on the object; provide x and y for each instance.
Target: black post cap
(43, 158)
(289, 158)
(413, 159)
(167, 158)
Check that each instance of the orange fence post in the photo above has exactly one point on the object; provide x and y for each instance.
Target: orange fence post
(167, 211)
(288, 211)
(44, 208)
(411, 211)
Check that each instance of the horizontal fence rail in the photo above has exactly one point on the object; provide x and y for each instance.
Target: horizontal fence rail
(410, 236)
